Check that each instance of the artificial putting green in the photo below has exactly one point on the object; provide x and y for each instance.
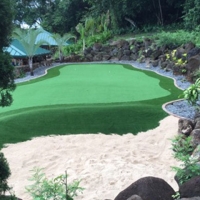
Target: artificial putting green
(86, 98)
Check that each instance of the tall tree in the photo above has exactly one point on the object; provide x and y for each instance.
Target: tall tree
(55, 16)
(27, 38)
(191, 14)
(7, 84)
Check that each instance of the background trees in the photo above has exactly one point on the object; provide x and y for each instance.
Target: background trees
(6, 80)
(63, 16)
(142, 13)
(191, 15)
(54, 15)
(6, 69)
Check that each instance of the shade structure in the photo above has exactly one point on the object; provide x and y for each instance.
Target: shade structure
(16, 50)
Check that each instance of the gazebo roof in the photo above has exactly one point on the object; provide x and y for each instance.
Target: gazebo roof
(17, 50)
(45, 35)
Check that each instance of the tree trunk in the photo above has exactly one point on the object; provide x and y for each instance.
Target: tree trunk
(83, 44)
(161, 15)
(60, 55)
(30, 61)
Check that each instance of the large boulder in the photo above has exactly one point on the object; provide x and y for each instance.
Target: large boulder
(135, 197)
(180, 52)
(185, 126)
(97, 47)
(191, 188)
(193, 63)
(120, 43)
(156, 53)
(192, 66)
(147, 43)
(197, 120)
(195, 134)
(196, 153)
(192, 198)
(148, 188)
(189, 46)
(193, 52)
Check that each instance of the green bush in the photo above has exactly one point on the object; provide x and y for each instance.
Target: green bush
(182, 149)
(98, 38)
(52, 189)
(175, 39)
(4, 174)
(73, 48)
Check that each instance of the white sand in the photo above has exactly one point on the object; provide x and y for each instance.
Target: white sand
(106, 164)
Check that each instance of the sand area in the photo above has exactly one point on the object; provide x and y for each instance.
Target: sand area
(106, 164)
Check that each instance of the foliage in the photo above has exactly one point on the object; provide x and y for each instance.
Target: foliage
(7, 84)
(98, 38)
(191, 15)
(6, 16)
(155, 12)
(85, 29)
(196, 74)
(176, 196)
(4, 174)
(174, 39)
(92, 31)
(73, 48)
(182, 149)
(191, 94)
(52, 189)
(55, 16)
(62, 16)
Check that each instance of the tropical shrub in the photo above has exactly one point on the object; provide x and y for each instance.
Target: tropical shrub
(182, 149)
(73, 48)
(191, 94)
(52, 189)
(98, 38)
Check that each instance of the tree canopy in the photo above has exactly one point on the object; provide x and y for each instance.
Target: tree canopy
(62, 16)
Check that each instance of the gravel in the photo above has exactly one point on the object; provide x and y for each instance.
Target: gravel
(179, 108)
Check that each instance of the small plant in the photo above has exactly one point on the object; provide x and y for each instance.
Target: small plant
(180, 62)
(52, 189)
(182, 149)
(176, 196)
(191, 94)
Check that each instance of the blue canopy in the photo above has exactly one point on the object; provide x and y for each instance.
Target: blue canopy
(17, 50)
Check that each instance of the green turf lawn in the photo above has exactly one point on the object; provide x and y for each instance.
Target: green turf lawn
(86, 98)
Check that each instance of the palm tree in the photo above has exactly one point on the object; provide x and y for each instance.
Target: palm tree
(61, 42)
(27, 38)
(86, 29)
(81, 30)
